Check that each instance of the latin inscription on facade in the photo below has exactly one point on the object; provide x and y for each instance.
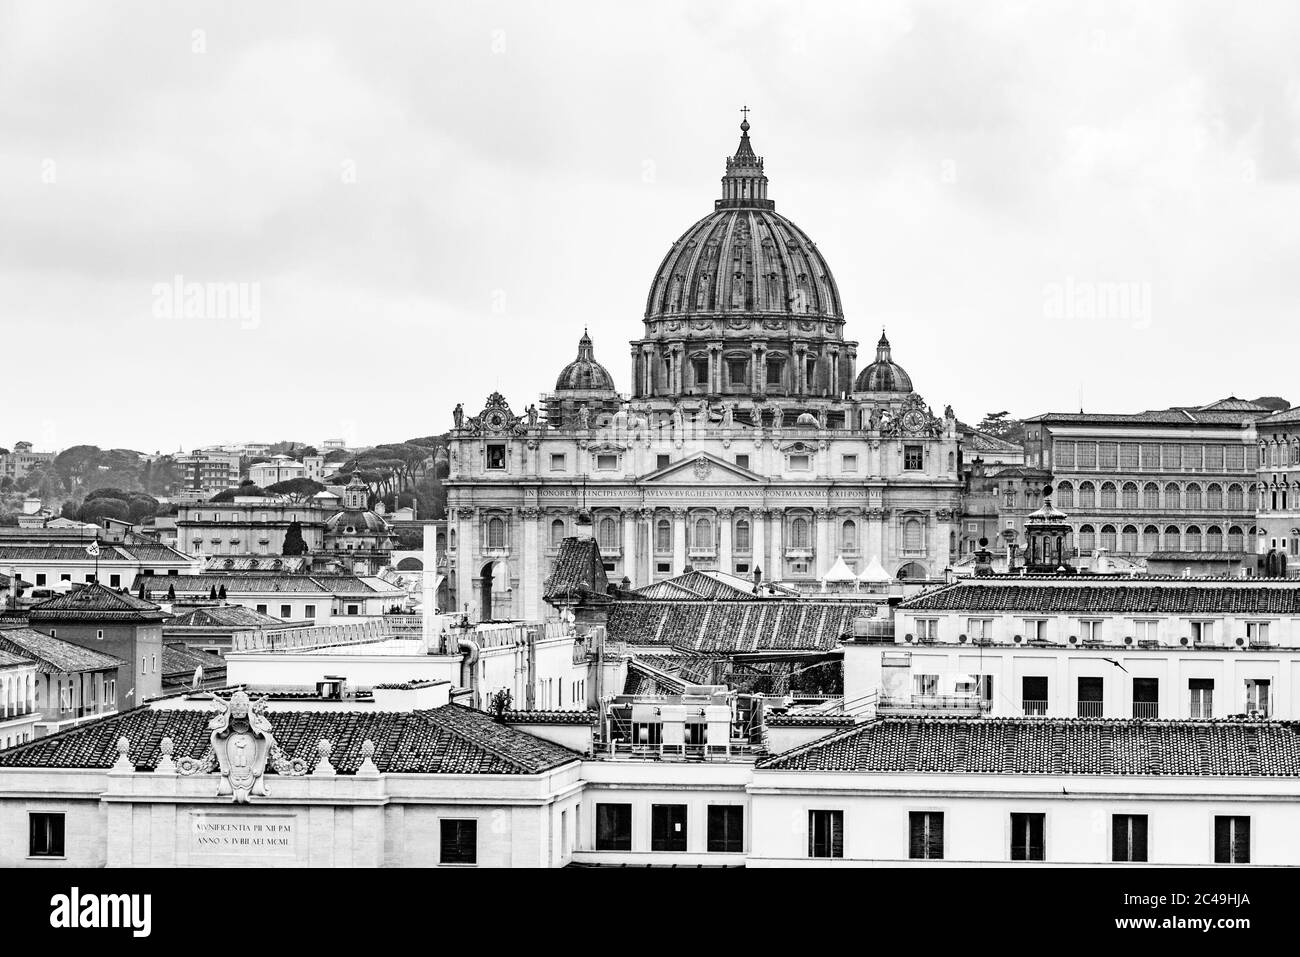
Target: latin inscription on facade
(253, 836)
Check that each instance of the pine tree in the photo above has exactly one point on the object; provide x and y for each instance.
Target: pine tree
(293, 541)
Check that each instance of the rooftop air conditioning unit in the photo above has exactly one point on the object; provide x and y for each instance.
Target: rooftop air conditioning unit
(908, 637)
(1074, 639)
(1183, 641)
(1241, 642)
(1018, 639)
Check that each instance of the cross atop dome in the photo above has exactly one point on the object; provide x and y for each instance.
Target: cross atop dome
(744, 184)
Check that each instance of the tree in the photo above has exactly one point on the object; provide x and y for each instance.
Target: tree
(1274, 402)
(296, 489)
(96, 510)
(1003, 426)
(171, 592)
(221, 592)
(293, 540)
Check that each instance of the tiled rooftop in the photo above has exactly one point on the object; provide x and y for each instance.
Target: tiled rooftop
(222, 616)
(452, 739)
(730, 626)
(94, 602)
(179, 661)
(1122, 596)
(1053, 746)
(54, 655)
(578, 571)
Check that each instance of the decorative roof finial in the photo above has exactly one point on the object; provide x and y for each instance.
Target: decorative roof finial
(744, 122)
(744, 183)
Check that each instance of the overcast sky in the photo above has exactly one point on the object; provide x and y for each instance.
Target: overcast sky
(430, 201)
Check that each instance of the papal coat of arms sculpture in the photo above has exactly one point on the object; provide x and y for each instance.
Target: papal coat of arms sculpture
(242, 741)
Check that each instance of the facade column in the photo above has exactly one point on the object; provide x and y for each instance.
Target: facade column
(468, 557)
(646, 546)
(758, 539)
(530, 564)
(724, 541)
(679, 541)
(777, 566)
(824, 557)
(629, 546)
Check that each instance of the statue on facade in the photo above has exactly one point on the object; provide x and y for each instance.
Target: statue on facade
(584, 417)
(778, 416)
(532, 416)
(679, 420)
(241, 739)
(458, 415)
(728, 414)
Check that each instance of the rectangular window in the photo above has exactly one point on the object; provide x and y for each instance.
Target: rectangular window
(1257, 696)
(800, 463)
(40, 578)
(849, 463)
(668, 827)
(1146, 698)
(606, 462)
(925, 835)
(662, 461)
(701, 367)
(1107, 456)
(1035, 629)
(352, 609)
(1090, 693)
(1201, 693)
(496, 456)
(309, 611)
(925, 684)
(1148, 631)
(1064, 455)
(825, 833)
(613, 827)
(1231, 840)
(557, 461)
(980, 629)
(927, 629)
(913, 458)
(1034, 694)
(261, 609)
(1203, 632)
(1128, 838)
(726, 828)
(286, 611)
(1027, 832)
(46, 830)
(774, 368)
(459, 842)
(115, 581)
(1090, 631)
(1257, 632)
(738, 371)
(742, 461)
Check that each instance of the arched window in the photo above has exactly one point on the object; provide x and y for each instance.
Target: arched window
(440, 542)
(1214, 539)
(1087, 496)
(1151, 496)
(1173, 539)
(557, 531)
(607, 533)
(849, 536)
(1108, 537)
(1193, 497)
(1236, 498)
(742, 535)
(1108, 495)
(1128, 542)
(1192, 540)
(775, 369)
(1065, 495)
(496, 532)
(1173, 497)
(1214, 497)
(452, 537)
(1087, 540)
(703, 533)
(1252, 498)
(912, 535)
(1130, 496)
(1236, 541)
(799, 532)
(663, 536)
(1150, 539)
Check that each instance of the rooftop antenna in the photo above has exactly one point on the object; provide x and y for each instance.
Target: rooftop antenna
(1081, 397)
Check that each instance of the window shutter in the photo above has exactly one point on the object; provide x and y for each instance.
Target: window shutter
(1241, 840)
(935, 844)
(916, 835)
(1119, 838)
(837, 834)
(1139, 837)
(1222, 840)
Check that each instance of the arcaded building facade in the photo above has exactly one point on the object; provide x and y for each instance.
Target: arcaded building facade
(749, 442)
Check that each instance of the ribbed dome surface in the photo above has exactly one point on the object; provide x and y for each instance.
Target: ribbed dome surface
(584, 374)
(744, 261)
(883, 375)
(363, 521)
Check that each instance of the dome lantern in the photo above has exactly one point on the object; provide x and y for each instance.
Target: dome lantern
(883, 375)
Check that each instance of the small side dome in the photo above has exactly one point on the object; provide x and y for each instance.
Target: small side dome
(585, 374)
(883, 375)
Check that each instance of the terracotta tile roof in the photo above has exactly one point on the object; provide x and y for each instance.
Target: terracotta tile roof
(1131, 597)
(728, 626)
(8, 660)
(578, 571)
(1196, 556)
(202, 585)
(549, 717)
(67, 552)
(1053, 746)
(1213, 414)
(180, 662)
(54, 655)
(643, 678)
(700, 586)
(809, 720)
(1281, 418)
(222, 616)
(95, 602)
(452, 739)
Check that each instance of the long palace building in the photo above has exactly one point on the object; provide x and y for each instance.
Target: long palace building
(749, 442)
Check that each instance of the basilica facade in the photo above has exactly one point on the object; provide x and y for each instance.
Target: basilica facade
(749, 441)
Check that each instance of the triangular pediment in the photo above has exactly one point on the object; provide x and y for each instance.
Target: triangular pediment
(702, 468)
